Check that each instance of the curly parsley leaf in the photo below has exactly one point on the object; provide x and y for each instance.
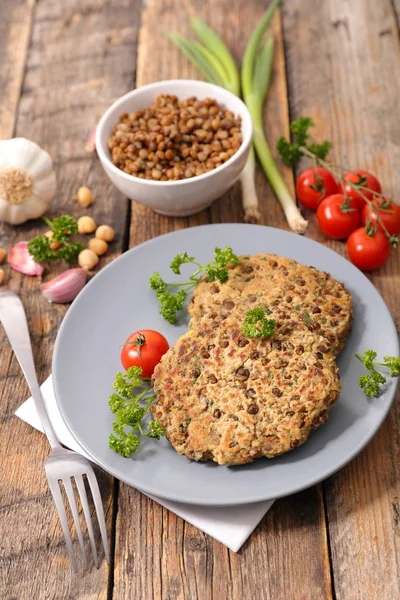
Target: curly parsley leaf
(40, 249)
(256, 324)
(179, 260)
(371, 382)
(62, 228)
(214, 273)
(125, 446)
(154, 430)
(130, 404)
(320, 150)
(368, 359)
(393, 363)
(172, 296)
(70, 252)
(157, 283)
(171, 304)
(225, 256)
(291, 152)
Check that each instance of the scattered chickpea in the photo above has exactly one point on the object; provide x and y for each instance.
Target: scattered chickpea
(2, 255)
(84, 196)
(105, 232)
(2, 276)
(87, 259)
(86, 225)
(98, 246)
(54, 245)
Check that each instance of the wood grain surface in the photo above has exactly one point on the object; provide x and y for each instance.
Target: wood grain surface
(352, 94)
(63, 63)
(81, 57)
(192, 565)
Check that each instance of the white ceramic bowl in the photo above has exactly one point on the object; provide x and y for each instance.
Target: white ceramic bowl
(186, 196)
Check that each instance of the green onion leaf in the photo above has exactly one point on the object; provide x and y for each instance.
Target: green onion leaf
(213, 42)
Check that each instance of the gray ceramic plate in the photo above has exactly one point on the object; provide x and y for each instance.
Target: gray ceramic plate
(118, 301)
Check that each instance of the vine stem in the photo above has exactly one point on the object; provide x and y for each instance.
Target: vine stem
(393, 240)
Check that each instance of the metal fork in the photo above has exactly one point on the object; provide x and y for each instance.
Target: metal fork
(61, 465)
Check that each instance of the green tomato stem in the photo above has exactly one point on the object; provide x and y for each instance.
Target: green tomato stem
(392, 239)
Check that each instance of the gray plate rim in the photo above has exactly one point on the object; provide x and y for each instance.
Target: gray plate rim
(252, 498)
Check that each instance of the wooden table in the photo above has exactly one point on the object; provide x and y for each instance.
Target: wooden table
(62, 64)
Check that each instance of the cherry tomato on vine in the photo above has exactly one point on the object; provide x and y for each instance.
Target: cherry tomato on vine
(313, 185)
(337, 217)
(361, 177)
(389, 214)
(144, 349)
(368, 252)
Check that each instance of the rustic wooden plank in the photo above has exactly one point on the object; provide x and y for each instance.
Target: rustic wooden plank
(343, 61)
(157, 554)
(15, 30)
(396, 6)
(81, 56)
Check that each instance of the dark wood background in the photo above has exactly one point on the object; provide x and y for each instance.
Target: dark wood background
(62, 64)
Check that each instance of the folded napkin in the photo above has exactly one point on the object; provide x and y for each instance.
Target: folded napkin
(229, 525)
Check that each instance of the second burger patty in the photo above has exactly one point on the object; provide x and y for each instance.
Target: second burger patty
(231, 399)
(302, 293)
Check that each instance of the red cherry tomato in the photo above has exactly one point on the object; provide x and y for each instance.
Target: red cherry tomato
(313, 185)
(389, 215)
(368, 253)
(366, 179)
(144, 349)
(335, 220)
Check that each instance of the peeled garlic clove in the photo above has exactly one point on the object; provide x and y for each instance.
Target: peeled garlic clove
(90, 145)
(65, 287)
(21, 261)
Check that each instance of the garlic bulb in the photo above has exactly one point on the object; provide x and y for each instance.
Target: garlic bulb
(27, 180)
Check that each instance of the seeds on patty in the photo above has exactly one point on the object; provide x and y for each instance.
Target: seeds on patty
(290, 379)
(262, 413)
(243, 373)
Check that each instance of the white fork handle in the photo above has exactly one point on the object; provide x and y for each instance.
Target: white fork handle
(13, 318)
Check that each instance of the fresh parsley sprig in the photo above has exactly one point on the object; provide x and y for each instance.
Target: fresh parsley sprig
(371, 382)
(129, 408)
(291, 152)
(256, 324)
(62, 228)
(172, 296)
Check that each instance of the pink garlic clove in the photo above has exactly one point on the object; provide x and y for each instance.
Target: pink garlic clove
(21, 261)
(65, 287)
(90, 145)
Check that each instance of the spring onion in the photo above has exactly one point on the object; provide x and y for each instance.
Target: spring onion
(215, 62)
(217, 65)
(255, 76)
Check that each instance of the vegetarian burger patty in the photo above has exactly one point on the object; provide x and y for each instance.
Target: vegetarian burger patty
(302, 293)
(231, 399)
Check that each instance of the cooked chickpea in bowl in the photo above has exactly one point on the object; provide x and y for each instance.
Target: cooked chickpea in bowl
(175, 139)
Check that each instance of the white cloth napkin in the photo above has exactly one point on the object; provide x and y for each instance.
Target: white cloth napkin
(230, 526)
